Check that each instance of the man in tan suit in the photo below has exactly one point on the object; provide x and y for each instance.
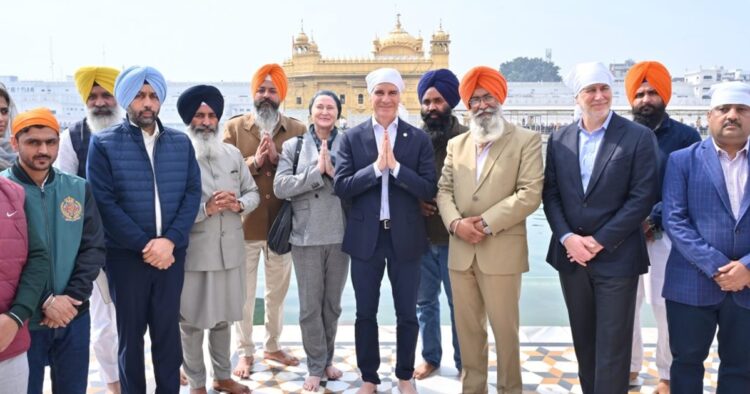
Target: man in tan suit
(491, 181)
(259, 137)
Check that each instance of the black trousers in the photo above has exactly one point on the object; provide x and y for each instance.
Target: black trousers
(367, 276)
(601, 312)
(146, 297)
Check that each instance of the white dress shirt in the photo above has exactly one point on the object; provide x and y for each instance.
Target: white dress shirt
(735, 175)
(385, 210)
(149, 141)
(67, 159)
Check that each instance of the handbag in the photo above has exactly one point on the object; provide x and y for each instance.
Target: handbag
(281, 228)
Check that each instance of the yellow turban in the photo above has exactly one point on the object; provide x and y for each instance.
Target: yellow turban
(40, 117)
(103, 76)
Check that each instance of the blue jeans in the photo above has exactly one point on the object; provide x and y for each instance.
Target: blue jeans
(435, 271)
(66, 351)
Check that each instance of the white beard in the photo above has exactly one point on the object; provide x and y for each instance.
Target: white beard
(98, 123)
(267, 118)
(484, 130)
(205, 145)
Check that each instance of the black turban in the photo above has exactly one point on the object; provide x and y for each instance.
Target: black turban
(191, 99)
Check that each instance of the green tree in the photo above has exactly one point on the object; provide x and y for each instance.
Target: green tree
(524, 69)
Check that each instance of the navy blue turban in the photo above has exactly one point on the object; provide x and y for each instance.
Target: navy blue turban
(130, 82)
(191, 99)
(444, 81)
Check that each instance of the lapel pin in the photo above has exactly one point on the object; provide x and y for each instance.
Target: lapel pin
(405, 134)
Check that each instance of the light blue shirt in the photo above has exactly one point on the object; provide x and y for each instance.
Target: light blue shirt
(588, 148)
(385, 210)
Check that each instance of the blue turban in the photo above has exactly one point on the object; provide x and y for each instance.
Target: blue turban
(130, 82)
(191, 99)
(444, 81)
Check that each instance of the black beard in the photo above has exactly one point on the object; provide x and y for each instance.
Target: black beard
(438, 128)
(649, 115)
(266, 103)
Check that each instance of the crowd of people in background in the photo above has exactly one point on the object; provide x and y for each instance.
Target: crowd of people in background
(118, 226)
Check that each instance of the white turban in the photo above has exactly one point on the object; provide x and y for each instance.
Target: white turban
(384, 75)
(587, 74)
(734, 92)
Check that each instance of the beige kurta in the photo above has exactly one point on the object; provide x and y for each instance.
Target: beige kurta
(214, 288)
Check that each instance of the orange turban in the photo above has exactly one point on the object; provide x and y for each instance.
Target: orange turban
(484, 77)
(40, 117)
(277, 75)
(656, 75)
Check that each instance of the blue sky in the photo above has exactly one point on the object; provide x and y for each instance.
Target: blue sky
(227, 40)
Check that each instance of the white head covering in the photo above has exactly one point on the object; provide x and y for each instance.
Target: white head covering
(734, 92)
(587, 74)
(384, 75)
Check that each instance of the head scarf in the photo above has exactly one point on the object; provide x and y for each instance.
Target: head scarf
(587, 74)
(12, 111)
(652, 72)
(329, 94)
(276, 74)
(41, 117)
(384, 75)
(734, 92)
(484, 77)
(86, 77)
(444, 81)
(192, 98)
(130, 82)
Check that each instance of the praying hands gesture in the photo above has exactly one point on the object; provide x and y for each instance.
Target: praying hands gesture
(386, 157)
(266, 151)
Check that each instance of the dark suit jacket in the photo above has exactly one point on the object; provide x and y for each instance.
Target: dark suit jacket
(355, 181)
(704, 232)
(620, 194)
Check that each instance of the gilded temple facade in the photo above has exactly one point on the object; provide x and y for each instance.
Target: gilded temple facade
(309, 72)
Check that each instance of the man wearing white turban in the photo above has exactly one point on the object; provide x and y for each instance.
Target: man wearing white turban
(384, 167)
(600, 182)
(146, 182)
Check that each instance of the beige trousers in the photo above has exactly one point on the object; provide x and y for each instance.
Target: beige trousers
(481, 296)
(278, 269)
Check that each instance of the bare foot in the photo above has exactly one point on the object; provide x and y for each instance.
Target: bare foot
(183, 378)
(367, 388)
(113, 388)
(230, 386)
(201, 390)
(424, 370)
(405, 387)
(662, 387)
(281, 357)
(333, 373)
(312, 383)
(244, 367)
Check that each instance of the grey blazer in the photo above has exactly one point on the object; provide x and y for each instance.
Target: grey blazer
(217, 242)
(317, 215)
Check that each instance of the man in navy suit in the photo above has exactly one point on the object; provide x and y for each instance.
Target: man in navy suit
(705, 213)
(384, 167)
(600, 184)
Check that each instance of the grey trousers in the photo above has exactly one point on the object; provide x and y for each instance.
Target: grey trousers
(321, 276)
(14, 374)
(219, 340)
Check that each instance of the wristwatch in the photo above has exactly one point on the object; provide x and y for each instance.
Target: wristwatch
(486, 228)
(242, 206)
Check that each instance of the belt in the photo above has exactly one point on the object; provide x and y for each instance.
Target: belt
(386, 224)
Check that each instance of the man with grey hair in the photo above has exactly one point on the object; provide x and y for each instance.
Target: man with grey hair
(214, 288)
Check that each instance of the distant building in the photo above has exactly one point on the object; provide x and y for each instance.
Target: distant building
(702, 79)
(309, 72)
(620, 69)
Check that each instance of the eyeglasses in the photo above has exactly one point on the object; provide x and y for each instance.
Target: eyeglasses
(487, 99)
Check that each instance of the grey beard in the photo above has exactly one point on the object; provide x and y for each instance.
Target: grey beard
(266, 119)
(205, 144)
(487, 129)
(98, 123)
